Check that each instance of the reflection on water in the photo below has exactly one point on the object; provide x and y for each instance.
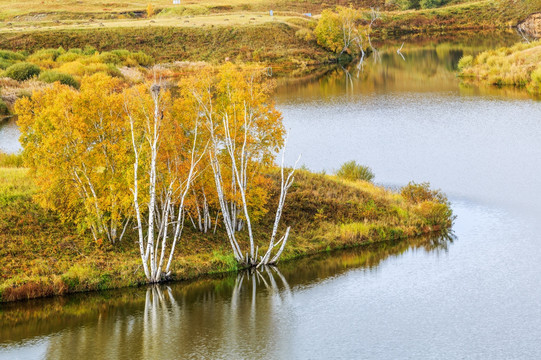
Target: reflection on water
(237, 316)
(421, 67)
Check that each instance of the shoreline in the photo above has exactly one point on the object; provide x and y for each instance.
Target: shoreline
(44, 257)
(213, 273)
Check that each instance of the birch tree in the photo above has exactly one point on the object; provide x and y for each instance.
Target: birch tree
(245, 133)
(166, 153)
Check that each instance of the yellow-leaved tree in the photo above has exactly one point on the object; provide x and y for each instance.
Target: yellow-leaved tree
(345, 30)
(245, 132)
(75, 144)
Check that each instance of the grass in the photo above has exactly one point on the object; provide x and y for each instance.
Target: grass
(518, 65)
(41, 256)
(60, 9)
(273, 43)
(483, 14)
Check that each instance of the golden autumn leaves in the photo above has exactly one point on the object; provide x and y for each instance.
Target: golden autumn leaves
(89, 148)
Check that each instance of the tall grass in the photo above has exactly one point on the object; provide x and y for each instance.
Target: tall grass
(518, 65)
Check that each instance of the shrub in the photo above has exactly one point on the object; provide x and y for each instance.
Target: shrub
(416, 193)
(150, 10)
(353, 172)
(416, 4)
(305, 34)
(465, 62)
(429, 4)
(4, 64)
(434, 213)
(142, 58)
(11, 160)
(536, 77)
(45, 55)
(4, 111)
(89, 50)
(10, 55)
(121, 53)
(68, 57)
(72, 68)
(109, 58)
(53, 76)
(22, 71)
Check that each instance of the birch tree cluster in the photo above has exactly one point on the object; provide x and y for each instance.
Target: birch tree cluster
(148, 160)
(346, 30)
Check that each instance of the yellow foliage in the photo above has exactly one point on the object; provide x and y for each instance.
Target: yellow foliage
(150, 10)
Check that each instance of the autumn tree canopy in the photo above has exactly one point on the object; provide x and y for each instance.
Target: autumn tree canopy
(113, 154)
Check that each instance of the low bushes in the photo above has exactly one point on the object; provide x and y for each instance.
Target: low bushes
(22, 71)
(4, 111)
(53, 76)
(353, 172)
(11, 160)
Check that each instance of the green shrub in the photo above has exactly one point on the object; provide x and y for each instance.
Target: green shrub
(46, 54)
(109, 58)
(121, 53)
(22, 71)
(416, 193)
(4, 64)
(430, 4)
(417, 4)
(89, 50)
(4, 111)
(142, 58)
(53, 76)
(113, 71)
(68, 57)
(353, 171)
(305, 34)
(11, 160)
(465, 62)
(11, 55)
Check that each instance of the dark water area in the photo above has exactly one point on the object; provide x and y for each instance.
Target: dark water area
(474, 295)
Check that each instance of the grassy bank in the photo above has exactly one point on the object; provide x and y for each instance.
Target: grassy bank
(519, 66)
(18, 320)
(209, 31)
(43, 257)
(274, 43)
(467, 15)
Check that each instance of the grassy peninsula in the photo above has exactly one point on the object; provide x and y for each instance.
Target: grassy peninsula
(41, 256)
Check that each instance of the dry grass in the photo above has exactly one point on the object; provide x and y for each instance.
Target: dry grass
(40, 256)
(185, 22)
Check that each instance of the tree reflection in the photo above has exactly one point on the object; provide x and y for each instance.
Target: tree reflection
(231, 316)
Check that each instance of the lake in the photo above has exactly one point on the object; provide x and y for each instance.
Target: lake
(476, 294)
